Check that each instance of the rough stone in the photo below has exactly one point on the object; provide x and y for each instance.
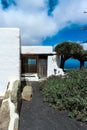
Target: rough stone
(7, 111)
(1, 99)
(16, 124)
(16, 100)
(14, 92)
(27, 93)
(4, 116)
(16, 95)
(7, 94)
(5, 106)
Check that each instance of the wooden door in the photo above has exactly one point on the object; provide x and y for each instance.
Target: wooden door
(42, 68)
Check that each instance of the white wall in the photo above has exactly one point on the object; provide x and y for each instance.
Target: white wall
(49, 66)
(53, 62)
(36, 49)
(9, 56)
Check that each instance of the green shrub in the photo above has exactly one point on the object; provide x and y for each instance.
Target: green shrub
(68, 92)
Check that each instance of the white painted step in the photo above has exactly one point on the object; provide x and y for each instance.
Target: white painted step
(30, 77)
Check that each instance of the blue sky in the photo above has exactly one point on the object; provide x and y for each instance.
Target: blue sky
(45, 22)
(73, 33)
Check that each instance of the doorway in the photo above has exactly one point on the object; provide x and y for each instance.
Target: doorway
(42, 67)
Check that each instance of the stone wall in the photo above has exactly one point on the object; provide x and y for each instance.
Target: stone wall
(11, 105)
(1, 98)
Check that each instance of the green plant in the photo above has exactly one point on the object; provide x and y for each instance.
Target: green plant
(68, 92)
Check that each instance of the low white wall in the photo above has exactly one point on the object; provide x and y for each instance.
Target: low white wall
(9, 56)
(49, 66)
(53, 62)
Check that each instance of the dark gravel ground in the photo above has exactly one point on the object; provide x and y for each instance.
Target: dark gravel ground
(37, 115)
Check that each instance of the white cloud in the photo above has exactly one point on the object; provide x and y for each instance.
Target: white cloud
(35, 24)
(84, 46)
(32, 19)
(71, 11)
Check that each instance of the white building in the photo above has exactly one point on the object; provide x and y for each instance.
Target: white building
(40, 60)
(9, 57)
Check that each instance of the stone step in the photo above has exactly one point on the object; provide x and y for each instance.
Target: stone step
(30, 77)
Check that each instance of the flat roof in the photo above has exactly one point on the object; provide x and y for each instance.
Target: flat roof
(37, 50)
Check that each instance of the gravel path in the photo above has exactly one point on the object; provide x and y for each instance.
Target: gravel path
(37, 115)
